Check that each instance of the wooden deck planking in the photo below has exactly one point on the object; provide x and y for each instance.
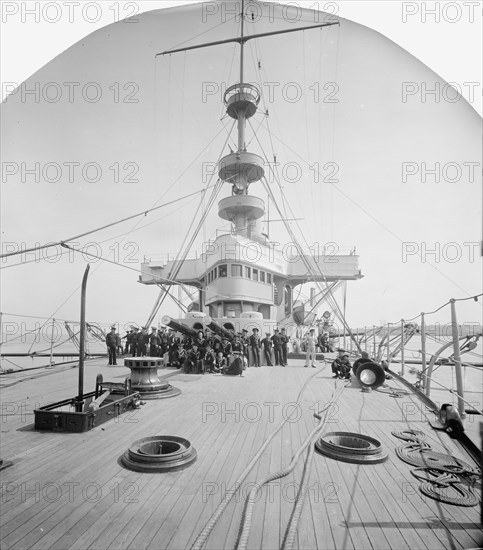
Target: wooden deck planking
(271, 418)
(272, 529)
(104, 527)
(163, 522)
(206, 501)
(326, 480)
(306, 531)
(439, 514)
(100, 535)
(225, 532)
(34, 513)
(404, 487)
(435, 537)
(229, 527)
(385, 520)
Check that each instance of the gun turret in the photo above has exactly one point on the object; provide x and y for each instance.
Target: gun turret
(179, 327)
(221, 331)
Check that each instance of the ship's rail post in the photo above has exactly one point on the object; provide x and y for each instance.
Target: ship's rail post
(388, 351)
(374, 341)
(424, 380)
(402, 347)
(51, 362)
(365, 339)
(457, 361)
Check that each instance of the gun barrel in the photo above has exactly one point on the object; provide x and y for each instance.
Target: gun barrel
(179, 327)
(222, 331)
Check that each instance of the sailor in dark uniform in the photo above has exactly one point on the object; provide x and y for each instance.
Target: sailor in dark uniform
(128, 339)
(134, 342)
(236, 366)
(244, 339)
(193, 362)
(341, 366)
(277, 348)
(220, 363)
(209, 359)
(255, 345)
(217, 345)
(142, 342)
(111, 342)
(284, 341)
(226, 347)
(154, 343)
(267, 349)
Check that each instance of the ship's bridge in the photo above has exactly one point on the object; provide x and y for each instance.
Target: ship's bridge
(234, 273)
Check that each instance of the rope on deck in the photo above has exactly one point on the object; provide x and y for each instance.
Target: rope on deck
(205, 532)
(245, 524)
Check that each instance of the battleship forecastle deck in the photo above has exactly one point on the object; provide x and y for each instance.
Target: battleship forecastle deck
(69, 491)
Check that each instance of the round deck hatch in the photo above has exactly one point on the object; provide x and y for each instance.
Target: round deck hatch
(351, 447)
(160, 453)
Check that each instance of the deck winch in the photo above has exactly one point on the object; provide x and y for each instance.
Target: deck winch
(144, 378)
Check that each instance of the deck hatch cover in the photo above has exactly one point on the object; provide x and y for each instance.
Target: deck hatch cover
(351, 447)
(160, 453)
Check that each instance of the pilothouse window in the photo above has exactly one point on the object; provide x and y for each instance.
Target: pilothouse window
(222, 271)
(255, 275)
(236, 270)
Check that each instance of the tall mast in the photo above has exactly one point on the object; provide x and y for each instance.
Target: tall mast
(241, 114)
(242, 168)
(242, 42)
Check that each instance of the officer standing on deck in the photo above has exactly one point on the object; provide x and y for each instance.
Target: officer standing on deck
(111, 342)
(277, 348)
(267, 349)
(255, 345)
(244, 339)
(142, 342)
(284, 341)
(134, 342)
(154, 343)
(310, 342)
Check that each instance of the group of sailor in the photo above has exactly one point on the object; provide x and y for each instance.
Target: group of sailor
(212, 353)
(207, 352)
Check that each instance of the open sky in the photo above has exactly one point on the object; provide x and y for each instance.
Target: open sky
(109, 130)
